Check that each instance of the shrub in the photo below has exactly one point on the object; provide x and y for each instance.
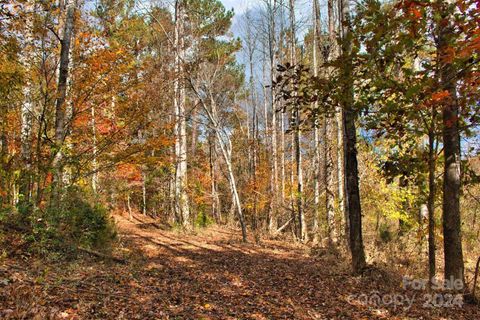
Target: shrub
(74, 223)
(203, 220)
(385, 233)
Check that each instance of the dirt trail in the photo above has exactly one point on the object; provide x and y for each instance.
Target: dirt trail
(210, 275)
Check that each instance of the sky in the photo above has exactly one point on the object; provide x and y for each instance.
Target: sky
(238, 5)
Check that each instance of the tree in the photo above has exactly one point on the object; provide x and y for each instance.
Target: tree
(454, 269)
(350, 149)
(182, 210)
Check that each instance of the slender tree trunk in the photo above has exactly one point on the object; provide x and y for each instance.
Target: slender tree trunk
(316, 133)
(328, 182)
(283, 115)
(233, 186)
(454, 267)
(254, 147)
(350, 148)
(194, 132)
(316, 185)
(144, 192)
(213, 178)
(129, 207)
(431, 204)
(94, 150)
(181, 197)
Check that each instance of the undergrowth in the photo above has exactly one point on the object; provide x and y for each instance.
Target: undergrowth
(58, 231)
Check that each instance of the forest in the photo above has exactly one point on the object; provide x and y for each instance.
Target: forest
(245, 159)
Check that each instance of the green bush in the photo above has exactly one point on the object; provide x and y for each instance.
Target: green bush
(385, 233)
(74, 223)
(203, 220)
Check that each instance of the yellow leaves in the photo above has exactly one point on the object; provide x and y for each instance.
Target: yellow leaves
(208, 306)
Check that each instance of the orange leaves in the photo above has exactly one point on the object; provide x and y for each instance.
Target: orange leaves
(440, 96)
(129, 172)
(415, 12)
(412, 8)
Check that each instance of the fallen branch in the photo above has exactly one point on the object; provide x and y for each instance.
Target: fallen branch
(284, 226)
(101, 255)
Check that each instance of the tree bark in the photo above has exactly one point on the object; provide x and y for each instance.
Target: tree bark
(350, 147)
(60, 104)
(327, 141)
(213, 178)
(454, 268)
(182, 210)
(316, 132)
(302, 232)
(94, 150)
(273, 128)
(431, 205)
(27, 105)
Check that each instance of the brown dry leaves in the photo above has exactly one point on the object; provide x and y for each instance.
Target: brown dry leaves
(210, 275)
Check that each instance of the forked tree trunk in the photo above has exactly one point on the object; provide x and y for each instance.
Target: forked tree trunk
(226, 149)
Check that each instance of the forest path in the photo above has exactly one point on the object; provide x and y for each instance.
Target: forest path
(208, 275)
(212, 275)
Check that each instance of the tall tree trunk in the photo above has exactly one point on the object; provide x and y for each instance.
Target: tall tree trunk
(60, 104)
(454, 268)
(316, 133)
(182, 210)
(283, 115)
(327, 141)
(350, 147)
(253, 147)
(27, 105)
(340, 165)
(272, 226)
(302, 225)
